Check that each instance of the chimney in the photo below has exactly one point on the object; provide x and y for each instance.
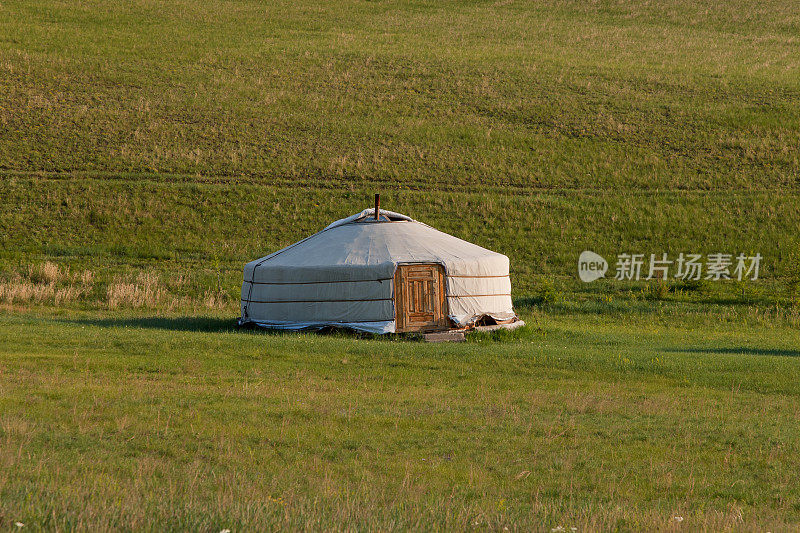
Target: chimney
(377, 207)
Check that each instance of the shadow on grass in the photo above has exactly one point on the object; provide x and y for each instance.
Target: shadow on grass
(218, 325)
(742, 351)
(183, 323)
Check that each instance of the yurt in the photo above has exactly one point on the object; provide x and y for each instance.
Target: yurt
(378, 272)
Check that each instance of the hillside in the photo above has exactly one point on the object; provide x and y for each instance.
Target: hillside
(539, 129)
(529, 95)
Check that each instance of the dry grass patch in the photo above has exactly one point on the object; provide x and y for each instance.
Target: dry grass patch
(44, 274)
(144, 291)
(147, 290)
(50, 284)
(45, 283)
(216, 300)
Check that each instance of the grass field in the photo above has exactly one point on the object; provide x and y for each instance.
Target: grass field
(120, 422)
(149, 149)
(651, 95)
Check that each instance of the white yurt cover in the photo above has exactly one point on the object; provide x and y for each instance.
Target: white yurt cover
(343, 276)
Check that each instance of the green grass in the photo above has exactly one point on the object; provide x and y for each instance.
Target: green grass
(666, 94)
(198, 230)
(212, 134)
(124, 422)
(149, 149)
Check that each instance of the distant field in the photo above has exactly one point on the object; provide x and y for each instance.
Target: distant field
(648, 95)
(149, 149)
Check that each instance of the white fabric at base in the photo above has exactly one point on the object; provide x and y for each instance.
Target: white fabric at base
(377, 328)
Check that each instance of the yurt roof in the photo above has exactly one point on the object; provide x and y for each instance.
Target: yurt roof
(359, 240)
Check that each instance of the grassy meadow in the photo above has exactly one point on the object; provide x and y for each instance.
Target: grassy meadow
(119, 422)
(149, 149)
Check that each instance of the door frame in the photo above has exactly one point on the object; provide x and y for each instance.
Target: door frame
(401, 324)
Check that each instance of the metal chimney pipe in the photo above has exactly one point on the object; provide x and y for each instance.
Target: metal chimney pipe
(377, 207)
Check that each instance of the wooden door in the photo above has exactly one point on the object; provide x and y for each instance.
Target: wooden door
(419, 298)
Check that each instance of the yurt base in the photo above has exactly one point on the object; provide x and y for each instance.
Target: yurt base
(460, 335)
(442, 335)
